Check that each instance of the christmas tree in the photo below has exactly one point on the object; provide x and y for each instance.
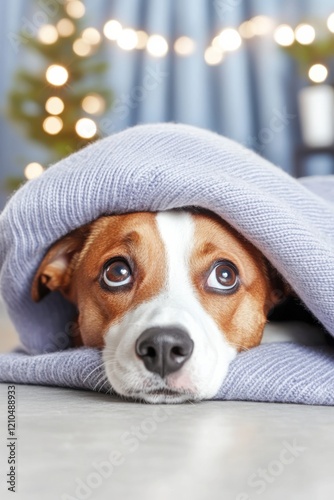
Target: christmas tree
(54, 105)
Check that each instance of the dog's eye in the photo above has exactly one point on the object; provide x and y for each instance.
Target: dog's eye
(117, 273)
(224, 276)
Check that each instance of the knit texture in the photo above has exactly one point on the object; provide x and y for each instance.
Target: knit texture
(157, 167)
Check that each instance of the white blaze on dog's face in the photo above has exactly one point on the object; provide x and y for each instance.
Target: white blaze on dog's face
(171, 298)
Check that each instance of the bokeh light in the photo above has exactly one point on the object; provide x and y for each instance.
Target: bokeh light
(184, 46)
(48, 34)
(53, 125)
(81, 48)
(127, 39)
(75, 9)
(247, 29)
(229, 40)
(213, 56)
(33, 170)
(305, 34)
(157, 46)
(86, 128)
(56, 75)
(318, 73)
(142, 37)
(112, 29)
(261, 25)
(284, 35)
(54, 105)
(93, 104)
(91, 35)
(330, 23)
(65, 27)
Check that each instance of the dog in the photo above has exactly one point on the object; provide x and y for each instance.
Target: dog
(170, 297)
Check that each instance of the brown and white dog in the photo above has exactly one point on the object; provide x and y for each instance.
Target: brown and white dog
(170, 297)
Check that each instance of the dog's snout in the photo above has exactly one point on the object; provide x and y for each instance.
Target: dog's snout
(164, 349)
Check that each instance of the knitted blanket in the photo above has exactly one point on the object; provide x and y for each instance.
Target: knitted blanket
(157, 167)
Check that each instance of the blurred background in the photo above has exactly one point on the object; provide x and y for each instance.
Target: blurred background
(73, 71)
(258, 72)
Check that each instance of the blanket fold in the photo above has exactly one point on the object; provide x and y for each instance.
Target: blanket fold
(157, 167)
(267, 373)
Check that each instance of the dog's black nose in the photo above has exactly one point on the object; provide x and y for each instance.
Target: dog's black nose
(164, 349)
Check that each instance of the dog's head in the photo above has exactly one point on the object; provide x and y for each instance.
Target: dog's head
(171, 297)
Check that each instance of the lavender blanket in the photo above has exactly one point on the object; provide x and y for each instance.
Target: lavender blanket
(156, 167)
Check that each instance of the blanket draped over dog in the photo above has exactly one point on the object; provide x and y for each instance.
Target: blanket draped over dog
(157, 167)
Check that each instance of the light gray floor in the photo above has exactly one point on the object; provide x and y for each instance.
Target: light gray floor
(211, 450)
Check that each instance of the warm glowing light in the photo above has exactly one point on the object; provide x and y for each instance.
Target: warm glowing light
(284, 35)
(157, 46)
(48, 34)
(318, 73)
(142, 39)
(86, 128)
(184, 46)
(53, 125)
(65, 27)
(54, 106)
(75, 9)
(93, 104)
(330, 23)
(33, 170)
(305, 34)
(213, 56)
(112, 29)
(56, 75)
(81, 47)
(247, 29)
(91, 35)
(216, 43)
(261, 25)
(229, 40)
(127, 39)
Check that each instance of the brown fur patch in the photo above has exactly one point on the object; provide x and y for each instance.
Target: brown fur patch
(241, 315)
(131, 236)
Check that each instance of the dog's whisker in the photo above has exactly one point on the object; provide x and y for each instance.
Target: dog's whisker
(92, 371)
(100, 380)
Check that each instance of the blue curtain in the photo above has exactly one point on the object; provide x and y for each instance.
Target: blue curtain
(242, 97)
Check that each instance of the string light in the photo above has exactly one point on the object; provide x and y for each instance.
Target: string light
(53, 125)
(54, 106)
(229, 40)
(142, 37)
(91, 36)
(284, 35)
(213, 56)
(330, 23)
(261, 25)
(93, 104)
(112, 29)
(81, 47)
(247, 29)
(75, 9)
(33, 170)
(157, 46)
(184, 46)
(318, 73)
(56, 75)
(65, 27)
(48, 34)
(127, 39)
(305, 34)
(85, 128)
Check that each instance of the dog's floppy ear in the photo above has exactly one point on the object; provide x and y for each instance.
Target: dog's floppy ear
(55, 270)
(279, 288)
